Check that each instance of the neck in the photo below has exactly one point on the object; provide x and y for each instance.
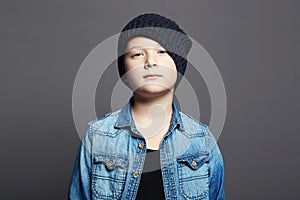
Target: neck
(143, 106)
(152, 116)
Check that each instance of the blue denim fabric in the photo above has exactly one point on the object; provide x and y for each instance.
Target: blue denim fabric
(110, 159)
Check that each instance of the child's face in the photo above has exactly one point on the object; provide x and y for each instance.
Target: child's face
(149, 68)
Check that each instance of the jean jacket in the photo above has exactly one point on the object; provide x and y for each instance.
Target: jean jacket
(110, 159)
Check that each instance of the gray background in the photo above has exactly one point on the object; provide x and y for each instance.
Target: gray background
(254, 43)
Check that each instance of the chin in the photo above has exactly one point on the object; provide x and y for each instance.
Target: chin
(153, 90)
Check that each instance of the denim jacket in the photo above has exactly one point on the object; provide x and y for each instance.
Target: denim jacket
(110, 159)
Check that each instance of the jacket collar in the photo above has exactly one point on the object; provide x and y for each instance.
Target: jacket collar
(125, 118)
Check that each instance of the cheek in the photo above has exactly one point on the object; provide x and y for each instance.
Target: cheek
(132, 64)
(127, 64)
(171, 75)
(169, 62)
(133, 75)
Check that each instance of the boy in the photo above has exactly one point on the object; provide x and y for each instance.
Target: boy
(112, 158)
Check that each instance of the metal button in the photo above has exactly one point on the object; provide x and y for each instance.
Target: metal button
(110, 163)
(141, 145)
(194, 163)
(135, 174)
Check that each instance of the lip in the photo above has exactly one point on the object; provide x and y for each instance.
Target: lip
(152, 76)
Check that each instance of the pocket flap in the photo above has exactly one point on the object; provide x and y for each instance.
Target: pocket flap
(111, 161)
(194, 161)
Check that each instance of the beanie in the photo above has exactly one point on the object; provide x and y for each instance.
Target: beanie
(160, 29)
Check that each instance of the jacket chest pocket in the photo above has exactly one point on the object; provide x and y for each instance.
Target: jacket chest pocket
(193, 174)
(108, 176)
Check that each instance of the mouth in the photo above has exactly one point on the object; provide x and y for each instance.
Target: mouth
(152, 76)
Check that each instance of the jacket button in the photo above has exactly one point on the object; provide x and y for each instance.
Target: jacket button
(135, 174)
(194, 163)
(141, 145)
(110, 163)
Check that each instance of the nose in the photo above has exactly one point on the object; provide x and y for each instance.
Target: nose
(151, 60)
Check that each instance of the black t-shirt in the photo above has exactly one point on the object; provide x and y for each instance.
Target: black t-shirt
(151, 185)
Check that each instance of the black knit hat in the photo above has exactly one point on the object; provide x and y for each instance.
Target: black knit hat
(160, 29)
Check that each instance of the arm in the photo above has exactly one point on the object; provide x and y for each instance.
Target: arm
(79, 188)
(216, 185)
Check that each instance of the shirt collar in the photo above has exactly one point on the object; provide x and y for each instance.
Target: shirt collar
(125, 117)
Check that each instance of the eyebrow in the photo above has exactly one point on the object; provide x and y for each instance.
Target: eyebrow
(143, 47)
(134, 48)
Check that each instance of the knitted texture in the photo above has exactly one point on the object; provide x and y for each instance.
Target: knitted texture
(160, 29)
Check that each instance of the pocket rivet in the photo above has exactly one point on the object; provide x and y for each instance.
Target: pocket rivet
(135, 174)
(110, 163)
(194, 163)
(141, 145)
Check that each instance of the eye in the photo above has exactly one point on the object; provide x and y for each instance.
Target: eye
(137, 54)
(162, 52)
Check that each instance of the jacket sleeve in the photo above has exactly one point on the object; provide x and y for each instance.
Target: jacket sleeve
(80, 184)
(216, 185)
